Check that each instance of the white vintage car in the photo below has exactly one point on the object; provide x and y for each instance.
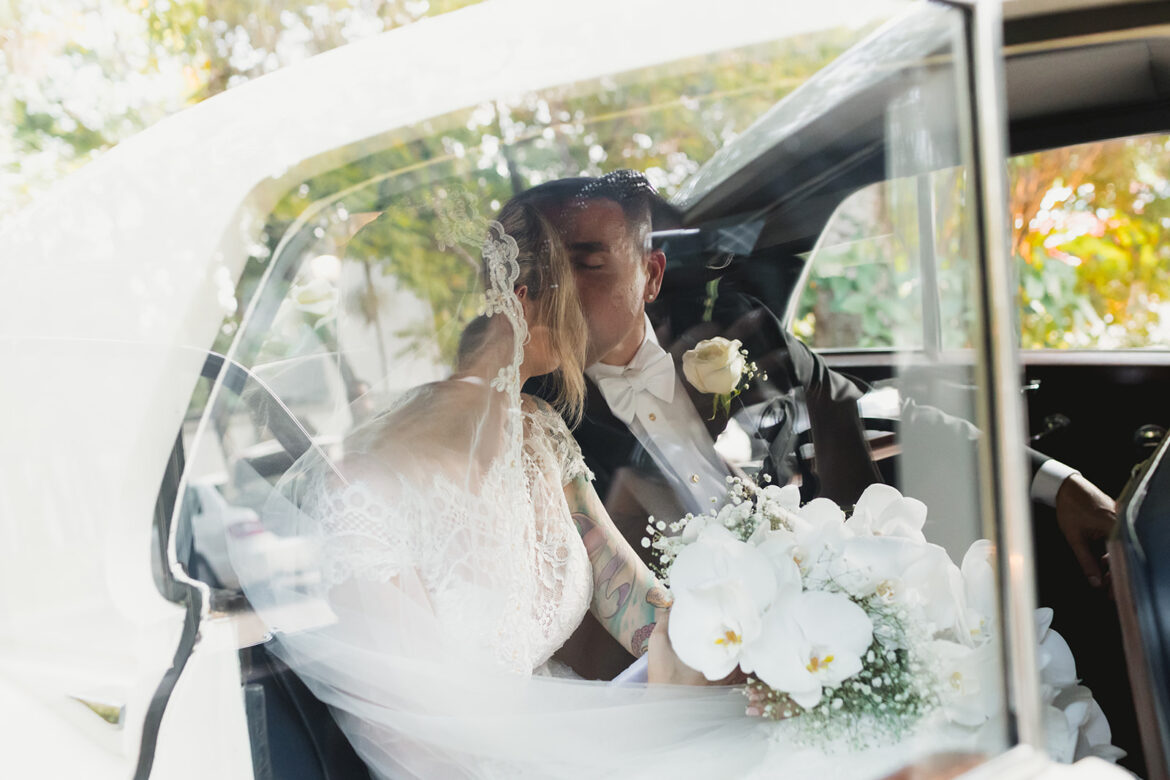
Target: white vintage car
(189, 313)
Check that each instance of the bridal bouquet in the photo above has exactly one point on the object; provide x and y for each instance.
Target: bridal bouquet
(855, 624)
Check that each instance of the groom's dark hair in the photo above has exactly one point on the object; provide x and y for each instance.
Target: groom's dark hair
(643, 207)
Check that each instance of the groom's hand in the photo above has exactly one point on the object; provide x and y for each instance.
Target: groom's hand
(1086, 517)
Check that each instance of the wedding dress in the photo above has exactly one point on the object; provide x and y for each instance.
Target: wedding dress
(468, 548)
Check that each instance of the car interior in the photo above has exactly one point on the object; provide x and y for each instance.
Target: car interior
(781, 198)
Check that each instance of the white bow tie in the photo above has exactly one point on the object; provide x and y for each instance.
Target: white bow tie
(651, 371)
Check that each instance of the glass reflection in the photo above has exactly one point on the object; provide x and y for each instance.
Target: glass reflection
(694, 376)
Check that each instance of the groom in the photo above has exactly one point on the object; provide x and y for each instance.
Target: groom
(645, 424)
(651, 436)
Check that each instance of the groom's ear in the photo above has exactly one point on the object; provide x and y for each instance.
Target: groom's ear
(655, 269)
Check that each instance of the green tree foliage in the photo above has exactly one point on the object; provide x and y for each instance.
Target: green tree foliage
(664, 121)
(144, 60)
(81, 75)
(1089, 225)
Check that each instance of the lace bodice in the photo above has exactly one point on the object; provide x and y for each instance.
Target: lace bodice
(504, 567)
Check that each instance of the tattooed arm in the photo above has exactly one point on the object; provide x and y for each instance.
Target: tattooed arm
(626, 596)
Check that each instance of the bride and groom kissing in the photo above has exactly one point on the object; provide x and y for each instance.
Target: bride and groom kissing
(467, 531)
(648, 432)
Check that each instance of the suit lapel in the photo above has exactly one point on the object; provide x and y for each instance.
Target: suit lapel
(605, 440)
(598, 414)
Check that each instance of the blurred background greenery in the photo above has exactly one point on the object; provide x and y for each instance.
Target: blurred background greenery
(79, 76)
(1089, 224)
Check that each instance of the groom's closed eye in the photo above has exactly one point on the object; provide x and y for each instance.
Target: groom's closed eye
(588, 263)
(587, 255)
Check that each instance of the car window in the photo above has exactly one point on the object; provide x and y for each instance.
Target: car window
(1087, 237)
(864, 288)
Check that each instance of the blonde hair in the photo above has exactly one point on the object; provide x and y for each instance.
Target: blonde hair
(546, 272)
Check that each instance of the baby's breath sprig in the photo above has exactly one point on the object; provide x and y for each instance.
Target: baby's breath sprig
(879, 705)
(666, 541)
(751, 372)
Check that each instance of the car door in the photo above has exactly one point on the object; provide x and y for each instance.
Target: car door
(1087, 220)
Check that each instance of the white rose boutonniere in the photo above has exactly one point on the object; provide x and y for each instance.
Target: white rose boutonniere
(719, 366)
(317, 298)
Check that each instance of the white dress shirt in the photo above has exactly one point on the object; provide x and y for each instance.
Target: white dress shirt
(1049, 477)
(667, 425)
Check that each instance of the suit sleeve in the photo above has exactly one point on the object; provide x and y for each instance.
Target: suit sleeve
(845, 466)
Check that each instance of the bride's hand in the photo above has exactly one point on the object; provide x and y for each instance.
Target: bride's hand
(663, 666)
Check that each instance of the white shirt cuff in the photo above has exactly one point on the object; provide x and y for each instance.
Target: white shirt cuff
(637, 672)
(1048, 480)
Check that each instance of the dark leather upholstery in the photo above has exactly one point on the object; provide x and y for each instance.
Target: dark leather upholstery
(1139, 553)
(294, 736)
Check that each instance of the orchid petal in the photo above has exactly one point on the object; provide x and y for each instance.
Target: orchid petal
(708, 628)
(1058, 667)
(875, 498)
(822, 511)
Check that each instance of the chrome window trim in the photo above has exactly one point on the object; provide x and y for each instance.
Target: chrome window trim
(1000, 408)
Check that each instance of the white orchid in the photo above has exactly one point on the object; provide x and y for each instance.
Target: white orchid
(778, 503)
(1082, 729)
(883, 511)
(1060, 737)
(1058, 669)
(968, 678)
(722, 587)
(940, 594)
(816, 536)
(734, 513)
(810, 641)
(1087, 721)
(694, 527)
(909, 574)
(979, 586)
(860, 614)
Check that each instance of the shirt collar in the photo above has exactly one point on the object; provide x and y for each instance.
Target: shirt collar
(599, 370)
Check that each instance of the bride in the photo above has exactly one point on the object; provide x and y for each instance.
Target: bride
(460, 544)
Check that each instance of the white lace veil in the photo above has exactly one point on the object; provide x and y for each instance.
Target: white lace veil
(420, 616)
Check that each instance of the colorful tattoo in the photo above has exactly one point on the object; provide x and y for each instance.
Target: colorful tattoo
(640, 642)
(613, 587)
(625, 593)
(659, 597)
